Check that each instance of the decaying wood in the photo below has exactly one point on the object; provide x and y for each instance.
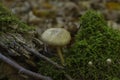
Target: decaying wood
(35, 52)
(23, 70)
(44, 57)
(22, 45)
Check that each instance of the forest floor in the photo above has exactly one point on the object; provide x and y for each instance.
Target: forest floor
(44, 14)
(62, 13)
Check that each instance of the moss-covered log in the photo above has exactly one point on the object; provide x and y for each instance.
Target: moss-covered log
(10, 25)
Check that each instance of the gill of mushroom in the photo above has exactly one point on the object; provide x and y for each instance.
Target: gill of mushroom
(58, 37)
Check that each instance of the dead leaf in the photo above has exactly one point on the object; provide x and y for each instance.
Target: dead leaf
(44, 13)
(47, 5)
(113, 5)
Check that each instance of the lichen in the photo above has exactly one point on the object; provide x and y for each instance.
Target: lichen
(94, 42)
(8, 21)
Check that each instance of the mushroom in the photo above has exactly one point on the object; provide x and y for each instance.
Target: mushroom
(58, 37)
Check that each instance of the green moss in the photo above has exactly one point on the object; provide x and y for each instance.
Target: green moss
(95, 42)
(50, 70)
(8, 21)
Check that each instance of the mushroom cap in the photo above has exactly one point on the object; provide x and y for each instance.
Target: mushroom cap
(56, 36)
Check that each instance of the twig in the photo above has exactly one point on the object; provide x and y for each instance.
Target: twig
(68, 76)
(50, 61)
(2, 45)
(47, 59)
(43, 57)
(23, 70)
(33, 51)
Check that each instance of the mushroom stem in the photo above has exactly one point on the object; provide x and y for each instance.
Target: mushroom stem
(60, 55)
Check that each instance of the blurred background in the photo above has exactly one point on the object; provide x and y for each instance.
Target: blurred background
(62, 13)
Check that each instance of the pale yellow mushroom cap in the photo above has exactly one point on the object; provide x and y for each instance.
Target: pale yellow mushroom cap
(56, 36)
